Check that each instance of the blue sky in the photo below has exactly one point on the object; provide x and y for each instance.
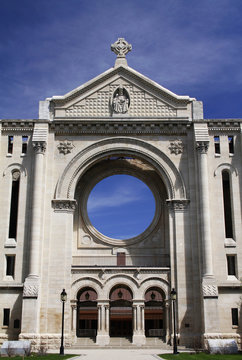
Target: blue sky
(49, 47)
(191, 47)
(121, 206)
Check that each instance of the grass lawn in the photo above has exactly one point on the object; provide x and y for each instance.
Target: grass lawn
(41, 357)
(201, 356)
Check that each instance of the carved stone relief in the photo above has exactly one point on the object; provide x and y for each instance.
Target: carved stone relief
(120, 101)
(64, 205)
(139, 103)
(210, 290)
(176, 147)
(65, 147)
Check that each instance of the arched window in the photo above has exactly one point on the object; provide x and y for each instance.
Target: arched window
(228, 218)
(12, 233)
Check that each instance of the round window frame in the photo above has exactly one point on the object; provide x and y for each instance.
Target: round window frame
(90, 228)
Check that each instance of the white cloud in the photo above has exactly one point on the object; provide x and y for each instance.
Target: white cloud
(114, 199)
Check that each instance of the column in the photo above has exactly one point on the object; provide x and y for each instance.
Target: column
(103, 324)
(142, 309)
(138, 323)
(31, 301)
(107, 318)
(73, 318)
(202, 148)
(209, 286)
(99, 322)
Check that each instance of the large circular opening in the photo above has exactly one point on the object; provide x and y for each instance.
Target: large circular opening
(121, 206)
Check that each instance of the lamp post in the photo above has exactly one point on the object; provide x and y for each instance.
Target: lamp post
(63, 297)
(173, 298)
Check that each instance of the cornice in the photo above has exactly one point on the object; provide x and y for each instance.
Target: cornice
(128, 73)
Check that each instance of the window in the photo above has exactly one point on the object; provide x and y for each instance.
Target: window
(231, 144)
(10, 144)
(24, 144)
(121, 259)
(12, 233)
(227, 205)
(217, 144)
(10, 265)
(235, 316)
(231, 265)
(6, 316)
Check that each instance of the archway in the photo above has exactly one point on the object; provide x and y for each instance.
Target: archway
(87, 313)
(154, 313)
(121, 312)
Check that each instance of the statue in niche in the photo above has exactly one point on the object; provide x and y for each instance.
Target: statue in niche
(120, 103)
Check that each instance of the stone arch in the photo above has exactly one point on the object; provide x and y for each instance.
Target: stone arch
(154, 282)
(225, 166)
(84, 159)
(78, 284)
(15, 166)
(120, 279)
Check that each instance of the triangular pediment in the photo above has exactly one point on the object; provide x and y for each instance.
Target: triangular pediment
(145, 98)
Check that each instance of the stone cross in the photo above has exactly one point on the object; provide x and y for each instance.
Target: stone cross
(121, 47)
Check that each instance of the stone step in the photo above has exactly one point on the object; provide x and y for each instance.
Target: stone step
(120, 342)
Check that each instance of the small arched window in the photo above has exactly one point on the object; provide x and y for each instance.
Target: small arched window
(228, 218)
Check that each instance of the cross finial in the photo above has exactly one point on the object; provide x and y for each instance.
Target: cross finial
(121, 47)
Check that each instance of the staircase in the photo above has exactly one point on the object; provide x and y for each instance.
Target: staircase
(119, 342)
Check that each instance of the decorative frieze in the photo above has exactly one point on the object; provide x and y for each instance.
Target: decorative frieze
(176, 147)
(121, 127)
(65, 205)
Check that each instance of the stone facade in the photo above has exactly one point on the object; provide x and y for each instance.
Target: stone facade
(194, 244)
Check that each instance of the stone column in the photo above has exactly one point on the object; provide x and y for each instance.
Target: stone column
(209, 286)
(73, 318)
(31, 302)
(179, 228)
(103, 324)
(202, 148)
(99, 322)
(138, 321)
(107, 318)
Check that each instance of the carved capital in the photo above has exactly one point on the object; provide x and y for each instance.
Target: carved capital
(202, 147)
(178, 205)
(39, 147)
(210, 290)
(65, 205)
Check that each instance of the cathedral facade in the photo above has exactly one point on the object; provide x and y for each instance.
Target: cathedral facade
(121, 122)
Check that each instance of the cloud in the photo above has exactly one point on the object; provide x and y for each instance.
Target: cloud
(114, 199)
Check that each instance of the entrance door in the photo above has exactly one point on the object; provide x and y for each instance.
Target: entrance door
(121, 317)
(121, 321)
(87, 313)
(154, 313)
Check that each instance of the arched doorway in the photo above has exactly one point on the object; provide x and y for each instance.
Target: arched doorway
(87, 313)
(154, 313)
(121, 312)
